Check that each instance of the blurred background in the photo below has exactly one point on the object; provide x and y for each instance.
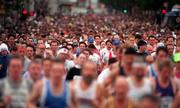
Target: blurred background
(156, 10)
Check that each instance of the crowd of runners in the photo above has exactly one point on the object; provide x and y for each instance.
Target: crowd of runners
(89, 61)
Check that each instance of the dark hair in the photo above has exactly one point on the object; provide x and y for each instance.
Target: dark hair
(57, 60)
(11, 35)
(169, 36)
(71, 45)
(151, 36)
(97, 36)
(130, 51)
(83, 43)
(35, 61)
(87, 49)
(54, 41)
(101, 42)
(40, 57)
(150, 97)
(46, 59)
(31, 47)
(108, 41)
(141, 43)
(16, 57)
(138, 36)
(162, 48)
(92, 46)
(165, 63)
(112, 60)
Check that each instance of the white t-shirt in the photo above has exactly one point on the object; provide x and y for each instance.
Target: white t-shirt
(103, 75)
(135, 93)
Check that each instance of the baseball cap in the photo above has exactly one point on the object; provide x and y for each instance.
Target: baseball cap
(62, 51)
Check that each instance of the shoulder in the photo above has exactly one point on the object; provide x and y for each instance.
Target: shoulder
(175, 85)
(2, 83)
(39, 85)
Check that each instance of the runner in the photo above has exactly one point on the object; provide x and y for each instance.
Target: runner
(165, 85)
(34, 72)
(53, 92)
(120, 99)
(86, 90)
(139, 85)
(14, 89)
(161, 53)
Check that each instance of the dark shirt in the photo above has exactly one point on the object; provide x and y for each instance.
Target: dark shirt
(73, 72)
(4, 61)
(122, 72)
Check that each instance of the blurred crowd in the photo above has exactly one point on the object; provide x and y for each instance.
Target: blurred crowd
(89, 61)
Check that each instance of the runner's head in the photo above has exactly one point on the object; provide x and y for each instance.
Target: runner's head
(139, 67)
(57, 70)
(149, 101)
(121, 88)
(35, 69)
(15, 67)
(89, 71)
(128, 56)
(46, 64)
(165, 69)
(161, 53)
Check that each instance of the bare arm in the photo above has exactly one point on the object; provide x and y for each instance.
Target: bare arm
(73, 100)
(35, 95)
(99, 96)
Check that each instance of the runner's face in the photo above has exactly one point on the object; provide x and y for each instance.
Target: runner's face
(166, 72)
(81, 59)
(121, 90)
(89, 69)
(161, 56)
(109, 45)
(170, 41)
(170, 48)
(148, 104)
(152, 41)
(15, 68)
(4, 52)
(98, 40)
(139, 72)
(35, 71)
(46, 67)
(128, 59)
(29, 52)
(57, 71)
(54, 46)
(82, 46)
(103, 45)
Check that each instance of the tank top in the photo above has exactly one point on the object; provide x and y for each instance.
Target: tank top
(136, 93)
(166, 94)
(152, 72)
(54, 101)
(85, 97)
(110, 103)
(18, 93)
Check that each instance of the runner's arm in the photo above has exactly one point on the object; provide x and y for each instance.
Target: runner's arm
(73, 100)
(35, 95)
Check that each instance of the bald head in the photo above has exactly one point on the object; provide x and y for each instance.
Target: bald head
(121, 88)
(121, 81)
(89, 67)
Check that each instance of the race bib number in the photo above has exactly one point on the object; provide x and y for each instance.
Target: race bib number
(166, 101)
